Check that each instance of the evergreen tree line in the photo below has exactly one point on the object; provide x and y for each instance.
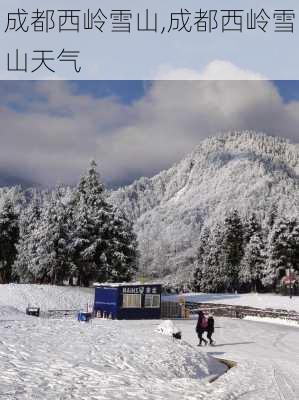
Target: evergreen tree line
(72, 236)
(246, 254)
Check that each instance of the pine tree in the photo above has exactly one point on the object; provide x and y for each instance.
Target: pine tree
(44, 249)
(271, 217)
(200, 257)
(232, 250)
(219, 256)
(282, 251)
(52, 263)
(9, 236)
(294, 255)
(29, 220)
(251, 227)
(253, 263)
(213, 276)
(103, 243)
(121, 250)
(92, 218)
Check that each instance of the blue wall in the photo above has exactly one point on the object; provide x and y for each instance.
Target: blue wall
(109, 299)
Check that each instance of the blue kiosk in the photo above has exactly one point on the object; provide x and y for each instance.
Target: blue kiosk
(128, 300)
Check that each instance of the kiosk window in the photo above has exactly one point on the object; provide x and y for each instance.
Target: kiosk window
(152, 301)
(132, 301)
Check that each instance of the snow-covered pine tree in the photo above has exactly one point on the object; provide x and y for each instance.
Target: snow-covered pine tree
(101, 248)
(295, 246)
(121, 252)
(92, 219)
(213, 277)
(49, 245)
(9, 236)
(232, 249)
(253, 264)
(271, 217)
(282, 250)
(251, 227)
(201, 254)
(15, 195)
(29, 221)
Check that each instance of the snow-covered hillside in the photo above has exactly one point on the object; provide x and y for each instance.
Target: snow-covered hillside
(18, 297)
(247, 171)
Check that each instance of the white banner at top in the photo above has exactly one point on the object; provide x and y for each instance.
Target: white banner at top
(148, 40)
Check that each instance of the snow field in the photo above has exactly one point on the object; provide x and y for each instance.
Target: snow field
(46, 297)
(64, 359)
(270, 320)
(257, 300)
(56, 359)
(102, 360)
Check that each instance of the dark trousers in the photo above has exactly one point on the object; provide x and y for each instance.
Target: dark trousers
(201, 339)
(209, 336)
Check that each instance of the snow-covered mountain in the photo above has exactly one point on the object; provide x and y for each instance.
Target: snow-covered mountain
(247, 171)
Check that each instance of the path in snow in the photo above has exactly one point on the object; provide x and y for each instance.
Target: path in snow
(267, 356)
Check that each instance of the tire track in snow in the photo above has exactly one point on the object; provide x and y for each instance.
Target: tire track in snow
(284, 385)
(279, 339)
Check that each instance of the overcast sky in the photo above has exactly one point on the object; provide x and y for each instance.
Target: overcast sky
(51, 130)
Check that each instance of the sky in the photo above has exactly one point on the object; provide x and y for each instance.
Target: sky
(50, 130)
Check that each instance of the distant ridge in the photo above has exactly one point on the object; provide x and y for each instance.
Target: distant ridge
(246, 170)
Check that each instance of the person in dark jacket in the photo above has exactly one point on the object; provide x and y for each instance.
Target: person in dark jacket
(200, 328)
(210, 328)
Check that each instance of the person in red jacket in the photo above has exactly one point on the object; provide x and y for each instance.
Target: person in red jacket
(201, 326)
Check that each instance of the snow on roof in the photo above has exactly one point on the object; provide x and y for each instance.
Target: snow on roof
(119, 284)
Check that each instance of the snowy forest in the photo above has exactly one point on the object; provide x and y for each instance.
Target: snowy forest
(224, 218)
(65, 235)
(244, 255)
(247, 179)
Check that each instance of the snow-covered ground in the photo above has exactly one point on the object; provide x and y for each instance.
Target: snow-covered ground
(267, 357)
(64, 359)
(258, 300)
(44, 296)
(280, 321)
